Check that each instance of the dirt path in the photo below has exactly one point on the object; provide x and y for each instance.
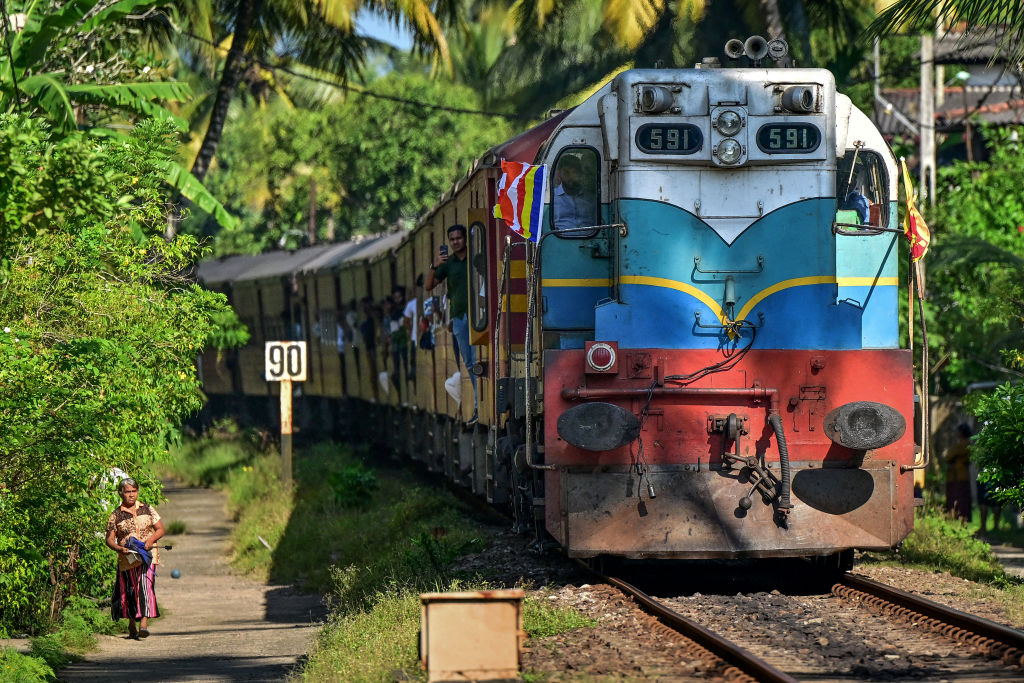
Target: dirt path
(215, 626)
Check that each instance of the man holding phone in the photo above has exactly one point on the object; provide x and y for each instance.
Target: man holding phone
(455, 269)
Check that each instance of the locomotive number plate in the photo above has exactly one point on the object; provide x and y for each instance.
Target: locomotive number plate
(788, 138)
(669, 138)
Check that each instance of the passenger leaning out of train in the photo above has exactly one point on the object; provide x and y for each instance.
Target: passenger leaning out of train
(574, 207)
(453, 267)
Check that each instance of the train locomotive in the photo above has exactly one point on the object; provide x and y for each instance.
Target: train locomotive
(699, 359)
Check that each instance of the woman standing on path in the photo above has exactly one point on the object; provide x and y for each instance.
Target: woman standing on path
(134, 594)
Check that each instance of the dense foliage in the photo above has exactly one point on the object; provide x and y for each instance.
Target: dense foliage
(978, 225)
(98, 334)
(371, 162)
(999, 446)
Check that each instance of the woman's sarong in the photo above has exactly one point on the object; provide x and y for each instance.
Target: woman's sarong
(135, 593)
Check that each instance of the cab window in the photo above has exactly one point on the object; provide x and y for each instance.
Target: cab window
(576, 196)
(478, 277)
(862, 189)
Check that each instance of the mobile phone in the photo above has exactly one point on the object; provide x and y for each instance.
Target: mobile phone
(444, 250)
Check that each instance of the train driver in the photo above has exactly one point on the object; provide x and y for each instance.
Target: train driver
(856, 201)
(574, 207)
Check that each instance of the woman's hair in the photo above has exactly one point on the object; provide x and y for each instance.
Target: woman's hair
(127, 482)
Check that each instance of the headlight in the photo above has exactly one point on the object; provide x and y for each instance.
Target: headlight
(729, 151)
(654, 99)
(728, 122)
(865, 425)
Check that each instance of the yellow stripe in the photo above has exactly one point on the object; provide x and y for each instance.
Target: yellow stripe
(706, 299)
(813, 280)
(517, 269)
(679, 286)
(779, 286)
(518, 302)
(575, 282)
(867, 281)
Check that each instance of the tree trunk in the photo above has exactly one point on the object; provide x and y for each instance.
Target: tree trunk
(232, 72)
(772, 17)
(799, 19)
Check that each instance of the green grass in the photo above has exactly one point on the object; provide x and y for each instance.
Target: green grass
(15, 666)
(80, 621)
(940, 542)
(375, 643)
(345, 529)
(370, 539)
(176, 527)
(542, 620)
(209, 461)
(943, 542)
(370, 645)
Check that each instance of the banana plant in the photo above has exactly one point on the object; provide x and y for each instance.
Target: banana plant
(27, 84)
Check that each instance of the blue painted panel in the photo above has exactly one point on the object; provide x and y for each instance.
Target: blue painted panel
(795, 243)
(666, 320)
(572, 308)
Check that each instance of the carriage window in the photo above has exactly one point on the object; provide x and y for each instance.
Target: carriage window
(862, 189)
(576, 198)
(478, 277)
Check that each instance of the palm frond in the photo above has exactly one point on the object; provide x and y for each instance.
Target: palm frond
(50, 95)
(629, 21)
(135, 97)
(338, 13)
(420, 17)
(178, 177)
(31, 43)
(981, 17)
(964, 251)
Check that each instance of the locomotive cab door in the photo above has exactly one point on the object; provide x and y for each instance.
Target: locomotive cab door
(577, 267)
(866, 261)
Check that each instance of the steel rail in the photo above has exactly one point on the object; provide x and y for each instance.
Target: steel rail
(992, 638)
(714, 643)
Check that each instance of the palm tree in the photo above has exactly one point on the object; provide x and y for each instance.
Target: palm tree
(42, 67)
(319, 33)
(979, 16)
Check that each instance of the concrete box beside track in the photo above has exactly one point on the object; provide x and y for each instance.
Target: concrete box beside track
(472, 635)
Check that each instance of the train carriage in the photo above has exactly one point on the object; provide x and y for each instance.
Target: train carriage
(700, 358)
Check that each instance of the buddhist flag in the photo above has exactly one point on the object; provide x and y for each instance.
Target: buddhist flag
(914, 226)
(521, 198)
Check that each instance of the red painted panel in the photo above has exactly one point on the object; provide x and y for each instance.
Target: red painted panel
(808, 385)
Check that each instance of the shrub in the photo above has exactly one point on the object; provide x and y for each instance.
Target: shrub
(352, 484)
(15, 666)
(940, 541)
(999, 447)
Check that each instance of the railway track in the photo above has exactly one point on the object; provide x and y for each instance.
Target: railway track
(821, 635)
(737, 663)
(984, 636)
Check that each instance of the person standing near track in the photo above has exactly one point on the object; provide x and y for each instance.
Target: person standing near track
(454, 268)
(134, 596)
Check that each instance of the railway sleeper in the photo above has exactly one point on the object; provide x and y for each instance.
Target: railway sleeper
(989, 647)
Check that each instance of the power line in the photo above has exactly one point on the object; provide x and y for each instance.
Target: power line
(362, 91)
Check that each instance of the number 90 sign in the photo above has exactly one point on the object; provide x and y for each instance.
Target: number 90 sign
(286, 360)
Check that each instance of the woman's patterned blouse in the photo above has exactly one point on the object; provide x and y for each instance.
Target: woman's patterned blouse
(140, 525)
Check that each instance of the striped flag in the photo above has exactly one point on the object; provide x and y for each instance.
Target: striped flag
(914, 227)
(521, 198)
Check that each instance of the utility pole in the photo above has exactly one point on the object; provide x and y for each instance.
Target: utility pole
(927, 118)
(311, 230)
